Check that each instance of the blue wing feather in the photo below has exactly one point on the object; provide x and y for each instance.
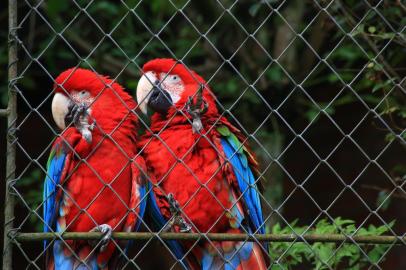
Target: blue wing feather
(51, 207)
(55, 167)
(143, 205)
(246, 181)
(159, 222)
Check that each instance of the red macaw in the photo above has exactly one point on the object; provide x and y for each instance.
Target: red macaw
(94, 177)
(201, 172)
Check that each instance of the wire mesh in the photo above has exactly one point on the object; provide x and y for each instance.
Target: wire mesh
(317, 89)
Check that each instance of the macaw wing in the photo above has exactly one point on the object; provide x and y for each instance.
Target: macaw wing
(138, 202)
(236, 153)
(57, 165)
(159, 221)
(137, 206)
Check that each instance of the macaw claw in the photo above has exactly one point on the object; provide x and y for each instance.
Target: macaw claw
(78, 112)
(75, 112)
(177, 219)
(196, 110)
(79, 116)
(107, 231)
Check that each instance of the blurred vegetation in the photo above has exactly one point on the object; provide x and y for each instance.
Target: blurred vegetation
(328, 255)
(291, 58)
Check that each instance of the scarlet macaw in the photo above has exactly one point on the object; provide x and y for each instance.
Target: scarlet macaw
(202, 173)
(94, 179)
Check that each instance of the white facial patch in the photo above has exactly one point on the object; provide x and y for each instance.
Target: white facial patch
(60, 108)
(83, 96)
(173, 84)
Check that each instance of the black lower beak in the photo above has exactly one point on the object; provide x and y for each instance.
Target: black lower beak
(69, 115)
(160, 100)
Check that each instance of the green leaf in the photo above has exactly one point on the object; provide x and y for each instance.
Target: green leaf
(348, 53)
(253, 10)
(274, 74)
(383, 199)
(106, 7)
(325, 252)
(359, 30)
(372, 29)
(381, 85)
(348, 256)
(54, 7)
(386, 35)
(311, 114)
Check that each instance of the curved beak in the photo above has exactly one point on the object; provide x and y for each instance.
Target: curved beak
(144, 89)
(61, 105)
(151, 94)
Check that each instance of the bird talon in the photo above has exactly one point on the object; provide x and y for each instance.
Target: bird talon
(76, 112)
(80, 112)
(177, 218)
(197, 125)
(79, 116)
(195, 110)
(107, 231)
(92, 125)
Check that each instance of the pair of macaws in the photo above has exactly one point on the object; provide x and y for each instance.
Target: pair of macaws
(190, 171)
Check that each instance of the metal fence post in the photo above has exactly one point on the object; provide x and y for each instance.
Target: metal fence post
(11, 134)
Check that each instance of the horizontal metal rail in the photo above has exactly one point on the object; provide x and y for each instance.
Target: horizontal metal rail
(310, 238)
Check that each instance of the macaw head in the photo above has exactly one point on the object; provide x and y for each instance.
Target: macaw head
(101, 95)
(167, 84)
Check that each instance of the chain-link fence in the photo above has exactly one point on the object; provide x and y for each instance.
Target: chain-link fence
(314, 89)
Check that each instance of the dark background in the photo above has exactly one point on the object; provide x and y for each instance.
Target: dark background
(298, 109)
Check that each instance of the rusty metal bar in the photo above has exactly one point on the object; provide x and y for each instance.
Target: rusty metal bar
(11, 112)
(310, 238)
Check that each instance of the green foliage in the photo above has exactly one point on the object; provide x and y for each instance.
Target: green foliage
(327, 255)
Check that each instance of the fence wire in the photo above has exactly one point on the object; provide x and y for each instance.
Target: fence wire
(317, 88)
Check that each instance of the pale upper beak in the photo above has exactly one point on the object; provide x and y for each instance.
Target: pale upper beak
(60, 108)
(144, 88)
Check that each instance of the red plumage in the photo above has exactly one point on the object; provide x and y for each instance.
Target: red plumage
(100, 182)
(192, 166)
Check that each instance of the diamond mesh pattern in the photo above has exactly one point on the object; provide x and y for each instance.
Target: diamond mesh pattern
(317, 88)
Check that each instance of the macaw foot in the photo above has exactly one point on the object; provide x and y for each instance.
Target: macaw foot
(76, 112)
(177, 219)
(107, 231)
(195, 109)
(79, 115)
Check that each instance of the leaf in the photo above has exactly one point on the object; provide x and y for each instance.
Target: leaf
(390, 137)
(54, 7)
(376, 253)
(381, 85)
(347, 52)
(253, 10)
(382, 200)
(358, 30)
(340, 222)
(325, 252)
(386, 35)
(274, 74)
(311, 114)
(372, 29)
(106, 8)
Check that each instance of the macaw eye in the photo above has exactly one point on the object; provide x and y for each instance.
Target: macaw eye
(175, 78)
(84, 94)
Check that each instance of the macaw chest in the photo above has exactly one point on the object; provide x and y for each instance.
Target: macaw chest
(193, 173)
